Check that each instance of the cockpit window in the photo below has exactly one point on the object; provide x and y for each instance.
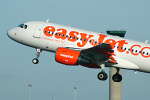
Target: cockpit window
(23, 26)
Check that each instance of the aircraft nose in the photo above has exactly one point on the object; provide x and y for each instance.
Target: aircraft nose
(10, 33)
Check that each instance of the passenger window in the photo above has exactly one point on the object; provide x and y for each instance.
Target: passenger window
(147, 53)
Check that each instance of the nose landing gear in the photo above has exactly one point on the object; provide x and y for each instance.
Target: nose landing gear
(36, 60)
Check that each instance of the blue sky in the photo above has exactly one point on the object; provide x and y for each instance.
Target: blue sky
(51, 78)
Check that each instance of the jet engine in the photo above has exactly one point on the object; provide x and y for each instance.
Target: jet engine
(70, 57)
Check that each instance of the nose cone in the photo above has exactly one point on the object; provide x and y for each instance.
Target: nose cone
(11, 33)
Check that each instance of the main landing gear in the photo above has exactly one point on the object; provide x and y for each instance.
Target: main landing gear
(117, 77)
(103, 76)
(36, 60)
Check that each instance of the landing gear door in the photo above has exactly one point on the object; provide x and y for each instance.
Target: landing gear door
(38, 30)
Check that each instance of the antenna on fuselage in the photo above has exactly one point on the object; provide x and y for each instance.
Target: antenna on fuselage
(146, 41)
(47, 20)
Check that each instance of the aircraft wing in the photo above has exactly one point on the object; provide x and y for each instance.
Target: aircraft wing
(104, 53)
(99, 53)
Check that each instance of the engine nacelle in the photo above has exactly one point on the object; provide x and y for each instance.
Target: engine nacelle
(70, 57)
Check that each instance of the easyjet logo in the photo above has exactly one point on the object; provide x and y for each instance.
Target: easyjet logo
(142, 51)
(62, 34)
(73, 36)
(66, 56)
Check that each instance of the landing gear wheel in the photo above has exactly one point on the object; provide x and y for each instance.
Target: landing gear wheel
(117, 78)
(35, 61)
(102, 76)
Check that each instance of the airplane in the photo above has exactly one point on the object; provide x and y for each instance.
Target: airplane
(73, 46)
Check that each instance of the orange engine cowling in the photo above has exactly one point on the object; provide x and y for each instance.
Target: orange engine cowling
(70, 57)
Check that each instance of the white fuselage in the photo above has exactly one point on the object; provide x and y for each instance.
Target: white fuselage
(49, 36)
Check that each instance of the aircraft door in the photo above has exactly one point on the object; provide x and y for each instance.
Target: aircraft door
(38, 30)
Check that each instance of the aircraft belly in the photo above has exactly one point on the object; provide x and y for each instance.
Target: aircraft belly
(132, 61)
(125, 64)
